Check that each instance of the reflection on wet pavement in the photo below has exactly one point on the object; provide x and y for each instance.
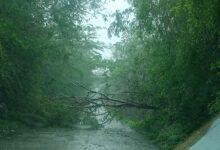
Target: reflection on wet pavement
(115, 136)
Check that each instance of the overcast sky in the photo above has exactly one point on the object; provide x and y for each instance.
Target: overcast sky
(109, 8)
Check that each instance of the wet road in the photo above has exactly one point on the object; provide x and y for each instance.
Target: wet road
(114, 136)
(211, 140)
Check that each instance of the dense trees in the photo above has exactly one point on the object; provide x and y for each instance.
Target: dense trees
(168, 59)
(170, 56)
(44, 47)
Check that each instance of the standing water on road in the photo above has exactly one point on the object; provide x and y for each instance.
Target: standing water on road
(114, 136)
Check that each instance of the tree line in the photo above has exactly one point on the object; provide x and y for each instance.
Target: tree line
(169, 55)
(167, 61)
(44, 46)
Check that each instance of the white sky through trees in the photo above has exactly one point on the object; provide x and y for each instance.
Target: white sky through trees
(108, 9)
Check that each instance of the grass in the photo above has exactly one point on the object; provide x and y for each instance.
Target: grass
(8, 128)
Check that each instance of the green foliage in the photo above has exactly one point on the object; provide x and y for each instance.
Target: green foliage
(44, 47)
(7, 128)
(171, 59)
(60, 113)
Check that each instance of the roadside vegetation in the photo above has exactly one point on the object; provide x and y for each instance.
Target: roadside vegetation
(163, 79)
(44, 47)
(195, 135)
(169, 58)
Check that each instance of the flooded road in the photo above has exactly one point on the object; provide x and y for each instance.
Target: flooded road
(114, 136)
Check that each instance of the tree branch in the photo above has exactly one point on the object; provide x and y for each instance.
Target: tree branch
(112, 102)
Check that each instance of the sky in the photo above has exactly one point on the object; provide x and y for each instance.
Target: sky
(109, 8)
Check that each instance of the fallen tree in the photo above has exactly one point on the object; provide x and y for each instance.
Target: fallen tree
(95, 99)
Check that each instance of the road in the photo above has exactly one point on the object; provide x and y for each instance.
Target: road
(211, 140)
(114, 136)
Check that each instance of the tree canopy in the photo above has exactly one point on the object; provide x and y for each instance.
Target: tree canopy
(44, 47)
(167, 62)
(170, 56)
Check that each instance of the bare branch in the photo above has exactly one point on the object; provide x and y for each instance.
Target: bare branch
(111, 102)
